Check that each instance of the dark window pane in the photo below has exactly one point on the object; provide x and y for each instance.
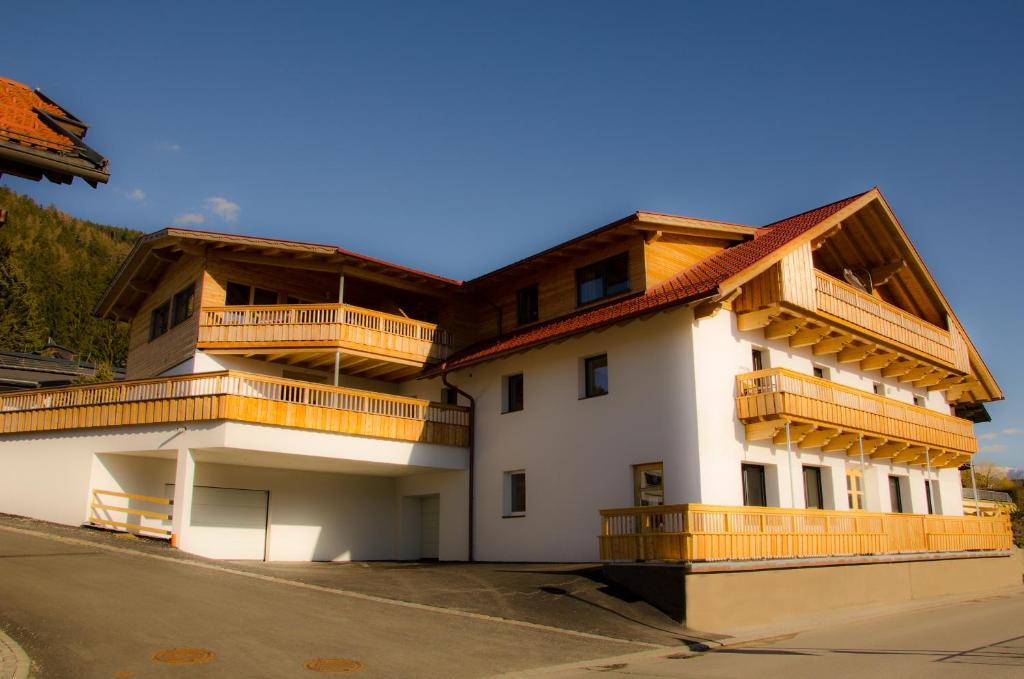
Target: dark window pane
(928, 494)
(237, 294)
(264, 297)
(184, 304)
(812, 488)
(158, 321)
(596, 375)
(589, 285)
(602, 279)
(449, 396)
(517, 493)
(616, 275)
(513, 393)
(527, 305)
(757, 359)
(753, 486)
(895, 498)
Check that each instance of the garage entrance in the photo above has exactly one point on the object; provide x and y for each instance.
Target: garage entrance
(228, 523)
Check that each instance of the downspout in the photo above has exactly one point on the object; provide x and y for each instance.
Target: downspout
(472, 450)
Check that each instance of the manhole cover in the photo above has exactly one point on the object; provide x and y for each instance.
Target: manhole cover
(333, 665)
(183, 656)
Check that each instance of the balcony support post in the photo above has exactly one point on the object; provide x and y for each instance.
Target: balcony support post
(789, 462)
(184, 479)
(930, 485)
(863, 473)
(341, 300)
(974, 489)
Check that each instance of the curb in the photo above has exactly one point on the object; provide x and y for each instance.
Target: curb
(14, 662)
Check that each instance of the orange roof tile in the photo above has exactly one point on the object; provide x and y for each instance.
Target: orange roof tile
(20, 124)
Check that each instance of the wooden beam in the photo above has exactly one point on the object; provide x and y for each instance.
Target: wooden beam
(870, 444)
(916, 373)
(653, 236)
(880, 275)
(831, 345)
(796, 433)
(889, 450)
(839, 443)
(908, 454)
(878, 361)
(783, 328)
(897, 368)
(930, 379)
(761, 431)
(855, 352)
(142, 286)
(808, 336)
(753, 320)
(817, 439)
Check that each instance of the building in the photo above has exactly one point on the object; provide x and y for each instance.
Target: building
(39, 138)
(660, 388)
(51, 366)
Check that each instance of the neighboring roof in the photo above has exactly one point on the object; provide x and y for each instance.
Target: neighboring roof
(699, 281)
(18, 366)
(39, 138)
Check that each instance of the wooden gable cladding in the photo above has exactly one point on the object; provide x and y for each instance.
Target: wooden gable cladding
(148, 358)
(309, 285)
(666, 254)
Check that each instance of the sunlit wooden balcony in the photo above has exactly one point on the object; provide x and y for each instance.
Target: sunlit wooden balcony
(696, 532)
(833, 417)
(371, 343)
(236, 396)
(812, 309)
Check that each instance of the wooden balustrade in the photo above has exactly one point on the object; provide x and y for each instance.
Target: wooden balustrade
(695, 532)
(777, 394)
(321, 325)
(106, 515)
(230, 395)
(847, 303)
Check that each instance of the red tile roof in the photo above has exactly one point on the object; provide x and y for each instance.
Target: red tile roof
(700, 280)
(20, 124)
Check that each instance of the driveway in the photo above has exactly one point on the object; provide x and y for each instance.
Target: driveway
(87, 604)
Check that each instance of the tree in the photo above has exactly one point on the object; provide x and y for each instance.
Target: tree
(21, 327)
(989, 477)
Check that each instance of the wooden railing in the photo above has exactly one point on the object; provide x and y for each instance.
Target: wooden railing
(847, 303)
(696, 532)
(781, 393)
(327, 325)
(101, 512)
(238, 396)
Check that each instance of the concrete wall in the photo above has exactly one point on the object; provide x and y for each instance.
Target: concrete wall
(725, 602)
(453, 488)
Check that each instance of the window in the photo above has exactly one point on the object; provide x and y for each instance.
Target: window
(595, 376)
(158, 320)
(895, 495)
(512, 393)
(527, 305)
(879, 388)
(449, 396)
(754, 494)
(648, 485)
(757, 359)
(515, 493)
(813, 498)
(929, 488)
(238, 294)
(855, 488)
(822, 373)
(602, 279)
(183, 305)
(919, 401)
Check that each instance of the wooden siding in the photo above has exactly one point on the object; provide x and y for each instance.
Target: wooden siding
(673, 253)
(235, 396)
(776, 395)
(148, 358)
(696, 532)
(321, 325)
(797, 271)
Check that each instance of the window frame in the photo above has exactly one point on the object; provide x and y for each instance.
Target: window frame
(531, 295)
(855, 489)
(758, 358)
(190, 292)
(510, 402)
(601, 269)
(896, 502)
(166, 309)
(587, 384)
(508, 488)
(763, 477)
(639, 483)
(819, 482)
(826, 372)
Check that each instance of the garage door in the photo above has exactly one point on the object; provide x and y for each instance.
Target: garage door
(430, 524)
(228, 523)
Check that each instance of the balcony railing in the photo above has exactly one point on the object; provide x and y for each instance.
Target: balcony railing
(778, 394)
(334, 326)
(847, 303)
(236, 396)
(696, 532)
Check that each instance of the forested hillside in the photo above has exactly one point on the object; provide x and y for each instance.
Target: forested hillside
(53, 268)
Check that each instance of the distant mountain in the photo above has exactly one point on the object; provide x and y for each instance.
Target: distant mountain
(53, 268)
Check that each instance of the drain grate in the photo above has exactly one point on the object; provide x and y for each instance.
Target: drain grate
(333, 665)
(183, 656)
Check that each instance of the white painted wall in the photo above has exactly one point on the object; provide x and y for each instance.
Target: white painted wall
(453, 487)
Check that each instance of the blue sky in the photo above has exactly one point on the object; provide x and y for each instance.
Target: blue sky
(462, 136)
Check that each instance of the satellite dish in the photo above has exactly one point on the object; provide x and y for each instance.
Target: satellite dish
(854, 280)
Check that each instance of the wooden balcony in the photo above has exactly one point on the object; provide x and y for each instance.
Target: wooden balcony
(236, 396)
(696, 532)
(833, 417)
(372, 343)
(808, 307)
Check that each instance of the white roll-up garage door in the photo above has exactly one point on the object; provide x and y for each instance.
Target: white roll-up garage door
(228, 523)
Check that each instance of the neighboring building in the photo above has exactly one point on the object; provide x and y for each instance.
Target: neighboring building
(811, 365)
(51, 366)
(39, 138)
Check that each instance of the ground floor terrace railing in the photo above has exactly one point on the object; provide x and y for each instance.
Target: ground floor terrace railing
(321, 325)
(696, 532)
(236, 396)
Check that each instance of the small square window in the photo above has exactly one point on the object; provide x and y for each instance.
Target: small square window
(183, 305)
(919, 400)
(512, 393)
(515, 493)
(879, 388)
(822, 373)
(757, 359)
(527, 305)
(602, 279)
(158, 320)
(595, 376)
(449, 396)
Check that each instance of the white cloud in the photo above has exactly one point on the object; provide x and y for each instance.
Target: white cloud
(994, 448)
(189, 218)
(223, 208)
(1013, 430)
(987, 436)
(169, 147)
(137, 195)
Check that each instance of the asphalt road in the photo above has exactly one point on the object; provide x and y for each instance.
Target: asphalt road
(82, 611)
(983, 637)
